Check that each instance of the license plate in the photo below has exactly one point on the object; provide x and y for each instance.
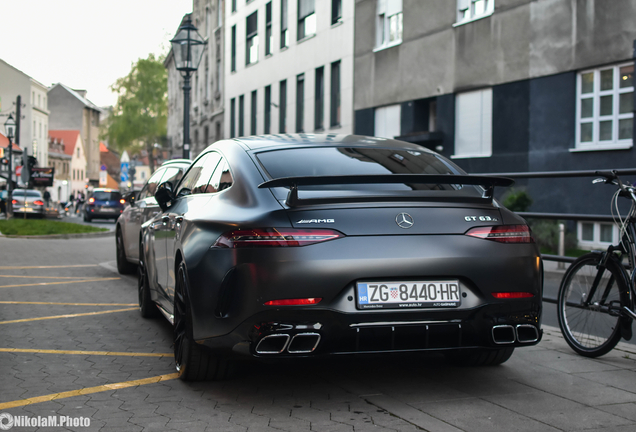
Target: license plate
(405, 295)
(26, 209)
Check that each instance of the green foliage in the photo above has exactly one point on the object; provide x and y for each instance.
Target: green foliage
(141, 114)
(546, 234)
(517, 200)
(18, 226)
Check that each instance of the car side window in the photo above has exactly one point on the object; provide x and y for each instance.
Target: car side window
(172, 175)
(189, 181)
(222, 177)
(151, 186)
(201, 185)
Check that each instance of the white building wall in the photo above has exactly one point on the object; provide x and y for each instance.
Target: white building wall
(39, 146)
(331, 43)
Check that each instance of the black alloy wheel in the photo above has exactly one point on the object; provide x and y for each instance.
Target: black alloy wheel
(193, 361)
(123, 266)
(147, 308)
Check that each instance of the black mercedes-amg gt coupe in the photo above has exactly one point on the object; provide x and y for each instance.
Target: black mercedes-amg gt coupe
(287, 246)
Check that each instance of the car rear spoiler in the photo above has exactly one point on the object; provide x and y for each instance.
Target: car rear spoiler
(293, 183)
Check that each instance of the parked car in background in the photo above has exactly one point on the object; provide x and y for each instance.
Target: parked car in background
(141, 206)
(291, 246)
(28, 201)
(103, 204)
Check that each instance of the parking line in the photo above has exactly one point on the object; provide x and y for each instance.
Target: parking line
(102, 353)
(88, 390)
(45, 267)
(58, 283)
(67, 316)
(68, 304)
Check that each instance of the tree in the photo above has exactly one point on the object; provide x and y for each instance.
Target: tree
(140, 117)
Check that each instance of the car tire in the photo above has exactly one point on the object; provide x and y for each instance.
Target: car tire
(193, 361)
(147, 307)
(479, 357)
(123, 266)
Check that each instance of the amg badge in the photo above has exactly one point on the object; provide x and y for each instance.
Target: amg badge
(316, 221)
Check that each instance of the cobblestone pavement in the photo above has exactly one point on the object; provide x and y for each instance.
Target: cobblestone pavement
(73, 344)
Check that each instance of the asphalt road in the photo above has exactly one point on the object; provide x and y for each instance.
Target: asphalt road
(73, 346)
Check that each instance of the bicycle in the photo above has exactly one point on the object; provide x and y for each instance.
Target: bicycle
(595, 304)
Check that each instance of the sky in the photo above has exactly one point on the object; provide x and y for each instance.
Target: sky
(86, 44)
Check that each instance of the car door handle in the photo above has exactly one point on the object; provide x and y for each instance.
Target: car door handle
(165, 219)
(179, 219)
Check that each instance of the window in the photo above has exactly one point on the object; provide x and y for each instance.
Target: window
(388, 23)
(150, 188)
(253, 111)
(200, 166)
(284, 31)
(209, 165)
(470, 10)
(268, 109)
(251, 41)
(596, 234)
(269, 37)
(233, 61)
(241, 115)
(232, 117)
(388, 121)
(219, 13)
(306, 18)
(282, 107)
(336, 11)
(473, 123)
(335, 95)
(605, 107)
(233, 5)
(319, 99)
(222, 177)
(300, 102)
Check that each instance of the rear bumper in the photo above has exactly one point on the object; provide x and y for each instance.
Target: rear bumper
(94, 213)
(229, 289)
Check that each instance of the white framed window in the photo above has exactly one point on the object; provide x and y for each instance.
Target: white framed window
(473, 124)
(251, 39)
(471, 10)
(388, 24)
(605, 108)
(388, 121)
(592, 235)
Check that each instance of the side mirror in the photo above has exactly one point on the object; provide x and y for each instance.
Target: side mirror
(131, 197)
(165, 195)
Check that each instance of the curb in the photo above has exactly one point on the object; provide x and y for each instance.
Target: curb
(62, 236)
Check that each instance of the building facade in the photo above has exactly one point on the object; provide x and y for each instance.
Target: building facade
(61, 161)
(73, 146)
(206, 97)
(34, 112)
(289, 66)
(504, 86)
(70, 110)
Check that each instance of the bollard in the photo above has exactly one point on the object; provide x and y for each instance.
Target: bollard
(561, 265)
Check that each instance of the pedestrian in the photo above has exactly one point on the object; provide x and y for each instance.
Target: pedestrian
(47, 198)
(71, 201)
(79, 201)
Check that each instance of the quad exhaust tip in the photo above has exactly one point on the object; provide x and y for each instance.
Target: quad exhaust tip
(508, 334)
(301, 343)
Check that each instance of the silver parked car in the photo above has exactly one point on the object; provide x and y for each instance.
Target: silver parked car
(140, 207)
(29, 201)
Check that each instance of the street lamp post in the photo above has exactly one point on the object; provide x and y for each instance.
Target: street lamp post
(9, 130)
(187, 48)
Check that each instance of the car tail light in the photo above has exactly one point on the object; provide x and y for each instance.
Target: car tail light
(503, 233)
(293, 302)
(38, 202)
(274, 237)
(122, 201)
(91, 200)
(512, 295)
(14, 201)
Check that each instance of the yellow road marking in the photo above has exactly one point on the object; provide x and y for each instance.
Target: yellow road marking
(89, 390)
(69, 304)
(45, 267)
(43, 277)
(67, 316)
(104, 353)
(57, 283)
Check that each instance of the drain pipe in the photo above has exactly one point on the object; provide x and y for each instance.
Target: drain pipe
(561, 265)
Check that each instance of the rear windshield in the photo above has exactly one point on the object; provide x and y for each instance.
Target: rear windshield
(334, 161)
(27, 193)
(107, 196)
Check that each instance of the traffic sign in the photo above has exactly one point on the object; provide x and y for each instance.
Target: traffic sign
(18, 170)
(124, 171)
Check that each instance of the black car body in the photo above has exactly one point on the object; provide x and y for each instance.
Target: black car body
(309, 245)
(103, 204)
(141, 206)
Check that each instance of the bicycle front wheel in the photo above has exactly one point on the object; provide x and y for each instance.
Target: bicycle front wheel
(584, 309)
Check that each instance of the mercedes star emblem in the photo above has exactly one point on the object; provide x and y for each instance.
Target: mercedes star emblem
(404, 220)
